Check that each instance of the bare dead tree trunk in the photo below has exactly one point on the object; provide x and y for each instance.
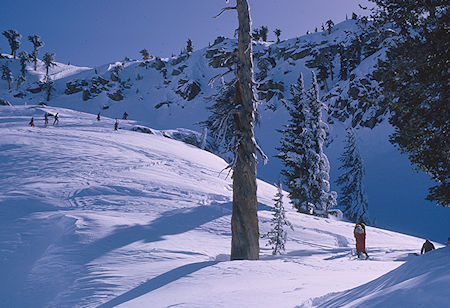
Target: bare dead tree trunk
(244, 220)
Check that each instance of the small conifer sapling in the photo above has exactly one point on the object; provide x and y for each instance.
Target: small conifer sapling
(277, 235)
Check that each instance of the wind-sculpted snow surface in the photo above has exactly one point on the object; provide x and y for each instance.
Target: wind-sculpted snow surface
(94, 217)
(421, 282)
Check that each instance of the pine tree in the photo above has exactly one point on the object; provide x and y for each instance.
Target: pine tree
(330, 25)
(292, 145)
(145, 55)
(306, 166)
(277, 235)
(20, 80)
(414, 80)
(352, 198)
(47, 86)
(323, 74)
(24, 59)
(189, 46)
(48, 62)
(256, 35)
(220, 122)
(343, 61)
(13, 38)
(244, 218)
(277, 33)
(263, 32)
(355, 54)
(37, 43)
(7, 75)
(323, 200)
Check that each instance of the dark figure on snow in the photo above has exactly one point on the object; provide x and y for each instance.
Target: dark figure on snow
(31, 122)
(116, 125)
(360, 235)
(46, 119)
(98, 116)
(56, 119)
(448, 242)
(426, 247)
(125, 116)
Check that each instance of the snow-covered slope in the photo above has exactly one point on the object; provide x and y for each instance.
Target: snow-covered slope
(421, 282)
(174, 93)
(95, 217)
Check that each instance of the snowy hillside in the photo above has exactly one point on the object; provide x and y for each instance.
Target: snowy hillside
(96, 217)
(174, 92)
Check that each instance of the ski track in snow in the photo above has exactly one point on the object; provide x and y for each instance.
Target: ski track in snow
(91, 217)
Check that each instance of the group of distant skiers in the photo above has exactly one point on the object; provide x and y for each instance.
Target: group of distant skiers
(46, 115)
(56, 119)
(360, 236)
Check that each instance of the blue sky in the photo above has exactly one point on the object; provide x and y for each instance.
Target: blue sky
(94, 32)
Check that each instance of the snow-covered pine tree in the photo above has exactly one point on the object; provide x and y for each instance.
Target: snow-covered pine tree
(20, 80)
(24, 57)
(322, 198)
(47, 86)
(330, 25)
(277, 235)
(306, 166)
(37, 43)
(13, 38)
(292, 142)
(48, 59)
(7, 75)
(352, 198)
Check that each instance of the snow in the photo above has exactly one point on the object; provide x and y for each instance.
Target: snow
(92, 217)
(422, 282)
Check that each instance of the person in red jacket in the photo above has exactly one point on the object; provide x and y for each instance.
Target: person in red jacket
(360, 236)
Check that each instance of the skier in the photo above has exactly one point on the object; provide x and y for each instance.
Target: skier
(125, 116)
(31, 122)
(56, 119)
(98, 116)
(448, 242)
(426, 247)
(116, 125)
(46, 119)
(360, 236)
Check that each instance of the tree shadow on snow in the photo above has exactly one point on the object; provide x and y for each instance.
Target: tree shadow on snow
(158, 282)
(169, 223)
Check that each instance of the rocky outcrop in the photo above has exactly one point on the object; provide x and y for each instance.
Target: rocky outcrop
(188, 89)
(35, 89)
(116, 96)
(73, 87)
